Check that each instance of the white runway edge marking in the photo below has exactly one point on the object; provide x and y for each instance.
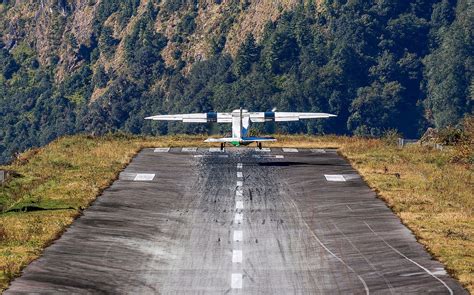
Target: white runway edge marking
(414, 262)
(238, 235)
(189, 149)
(144, 177)
(239, 174)
(237, 256)
(239, 166)
(236, 281)
(289, 150)
(263, 150)
(215, 150)
(341, 177)
(239, 205)
(240, 183)
(162, 150)
(318, 151)
(334, 177)
(239, 217)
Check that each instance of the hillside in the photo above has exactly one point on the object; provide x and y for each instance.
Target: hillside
(428, 189)
(70, 66)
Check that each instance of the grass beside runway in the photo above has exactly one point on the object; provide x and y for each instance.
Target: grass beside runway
(430, 190)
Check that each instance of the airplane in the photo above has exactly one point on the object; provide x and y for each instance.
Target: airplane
(240, 120)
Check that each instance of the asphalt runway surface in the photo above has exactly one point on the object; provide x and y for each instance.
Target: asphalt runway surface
(186, 221)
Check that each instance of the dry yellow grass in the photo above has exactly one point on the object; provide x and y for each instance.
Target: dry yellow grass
(430, 193)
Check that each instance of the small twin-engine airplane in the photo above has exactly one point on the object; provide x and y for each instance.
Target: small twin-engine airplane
(240, 120)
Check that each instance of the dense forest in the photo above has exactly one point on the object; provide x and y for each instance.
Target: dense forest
(379, 65)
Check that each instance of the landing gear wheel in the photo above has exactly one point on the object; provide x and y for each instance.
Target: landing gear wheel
(222, 146)
(259, 145)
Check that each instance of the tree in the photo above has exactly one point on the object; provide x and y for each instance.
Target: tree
(376, 109)
(449, 70)
(247, 54)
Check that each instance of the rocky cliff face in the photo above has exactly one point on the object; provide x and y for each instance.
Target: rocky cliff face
(62, 31)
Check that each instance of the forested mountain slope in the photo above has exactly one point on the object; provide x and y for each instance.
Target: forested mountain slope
(69, 66)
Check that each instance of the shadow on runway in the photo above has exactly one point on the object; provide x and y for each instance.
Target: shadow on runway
(285, 164)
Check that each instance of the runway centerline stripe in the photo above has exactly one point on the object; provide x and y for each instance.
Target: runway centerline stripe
(236, 281)
(239, 216)
(239, 205)
(238, 235)
(239, 166)
(240, 175)
(237, 256)
(240, 183)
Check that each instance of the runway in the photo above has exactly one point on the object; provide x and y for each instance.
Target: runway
(276, 221)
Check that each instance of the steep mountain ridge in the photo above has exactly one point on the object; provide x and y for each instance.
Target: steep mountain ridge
(99, 66)
(61, 29)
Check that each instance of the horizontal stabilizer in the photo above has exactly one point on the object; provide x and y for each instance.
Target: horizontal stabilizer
(257, 139)
(222, 140)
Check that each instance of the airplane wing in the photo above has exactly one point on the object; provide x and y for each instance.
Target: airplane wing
(286, 116)
(243, 139)
(195, 118)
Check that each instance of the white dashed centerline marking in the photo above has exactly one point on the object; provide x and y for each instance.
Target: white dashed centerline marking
(239, 193)
(236, 281)
(237, 256)
(239, 216)
(240, 183)
(239, 205)
(240, 175)
(238, 235)
(239, 166)
(144, 177)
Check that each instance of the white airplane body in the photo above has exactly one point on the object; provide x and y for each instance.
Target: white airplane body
(240, 120)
